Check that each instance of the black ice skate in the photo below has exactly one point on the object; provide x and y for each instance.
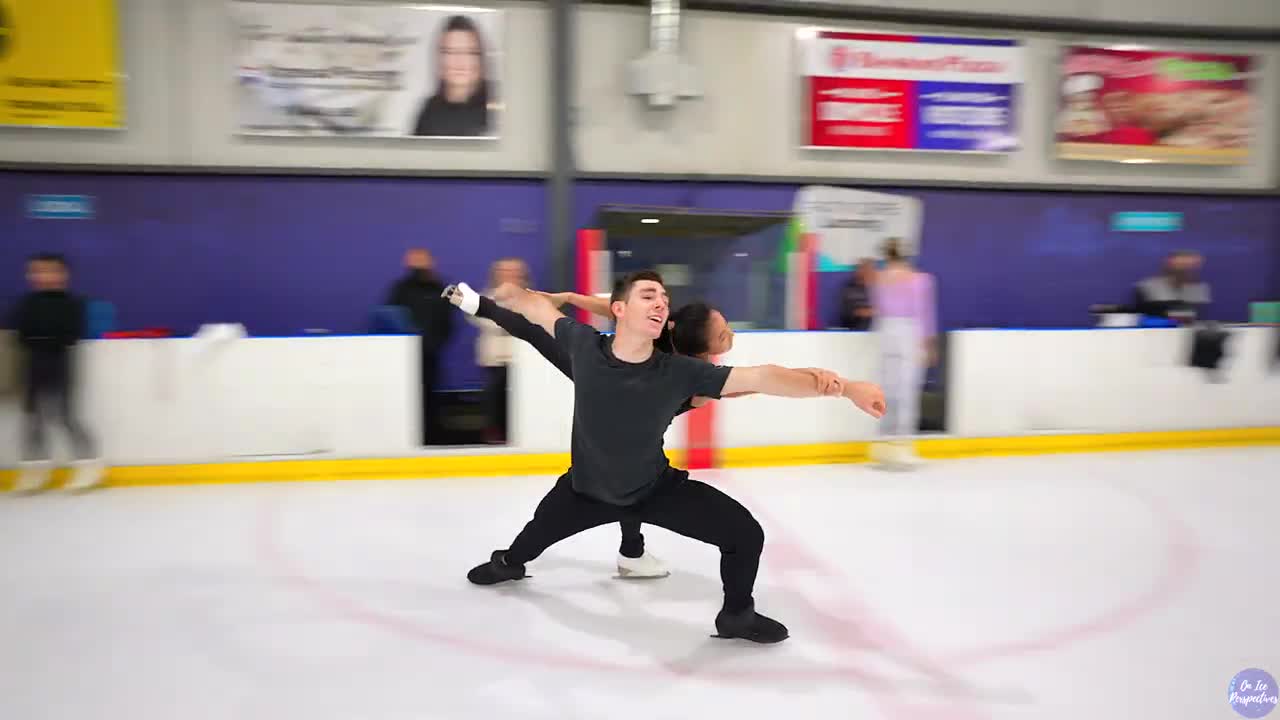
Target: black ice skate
(750, 625)
(496, 570)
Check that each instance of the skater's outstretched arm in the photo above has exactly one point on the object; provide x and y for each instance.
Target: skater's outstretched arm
(536, 308)
(518, 326)
(701, 378)
(594, 305)
(788, 382)
(515, 324)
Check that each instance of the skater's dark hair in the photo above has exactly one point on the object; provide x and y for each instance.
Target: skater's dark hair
(622, 288)
(686, 332)
(893, 249)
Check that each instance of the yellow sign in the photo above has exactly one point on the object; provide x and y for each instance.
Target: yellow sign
(59, 64)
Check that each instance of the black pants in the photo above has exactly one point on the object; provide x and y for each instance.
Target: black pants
(519, 327)
(430, 380)
(684, 506)
(495, 395)
(50, 389)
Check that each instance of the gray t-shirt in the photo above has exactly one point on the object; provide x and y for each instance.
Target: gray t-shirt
(621, 411)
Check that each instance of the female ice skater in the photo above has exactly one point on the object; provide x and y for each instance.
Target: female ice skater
(625, 395)
(903, 307)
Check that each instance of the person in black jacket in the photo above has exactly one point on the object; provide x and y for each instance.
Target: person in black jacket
(49, 322)
(418, 291)
(855, 297)
(1178, 293)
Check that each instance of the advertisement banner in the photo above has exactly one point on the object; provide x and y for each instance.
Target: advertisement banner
(1150, 106)
(853, 224)
(371, 70)
(909, 92)
(59, 65)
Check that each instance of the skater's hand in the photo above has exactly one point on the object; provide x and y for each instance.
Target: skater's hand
(867, 396)
(829, 383)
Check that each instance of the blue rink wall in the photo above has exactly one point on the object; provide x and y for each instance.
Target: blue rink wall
(286, 254)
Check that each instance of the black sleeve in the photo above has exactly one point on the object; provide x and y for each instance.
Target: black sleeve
(685, 406)
(572, 336)
(1139, 300)
(519, 327)
(77, 322)
(1144, 305)
(697, 377)
(444, 316)
(396, 296)
(20, 321)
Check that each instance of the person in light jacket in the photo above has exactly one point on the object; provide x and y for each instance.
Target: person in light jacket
(494, 348)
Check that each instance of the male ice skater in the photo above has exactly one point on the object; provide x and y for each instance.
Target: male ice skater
(625, 396)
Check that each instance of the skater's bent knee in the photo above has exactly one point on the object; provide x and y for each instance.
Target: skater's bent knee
(751, 537)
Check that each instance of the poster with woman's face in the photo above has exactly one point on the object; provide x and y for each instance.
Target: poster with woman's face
(459, 91)
(368, 70)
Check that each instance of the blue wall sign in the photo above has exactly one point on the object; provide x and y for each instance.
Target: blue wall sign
(60, 207)
(1146, 222)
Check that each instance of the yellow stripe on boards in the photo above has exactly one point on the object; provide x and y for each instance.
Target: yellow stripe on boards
(510, 465)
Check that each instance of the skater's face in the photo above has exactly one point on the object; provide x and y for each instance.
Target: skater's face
(645, 309)
(719, 334)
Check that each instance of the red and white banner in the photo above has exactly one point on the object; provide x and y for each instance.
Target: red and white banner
(909, 92)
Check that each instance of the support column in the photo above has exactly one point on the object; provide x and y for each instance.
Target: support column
(560, 187)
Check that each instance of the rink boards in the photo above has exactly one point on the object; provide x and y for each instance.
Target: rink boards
(260, 409)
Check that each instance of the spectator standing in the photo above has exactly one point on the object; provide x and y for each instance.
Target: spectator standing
(419, 292)
(49, 322)
(494, 349)
(855, 297)
(904, 307)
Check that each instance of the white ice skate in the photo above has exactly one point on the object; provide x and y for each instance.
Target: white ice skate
(33, 475)
(905, 457)
(896, 455)
(645, 566)
(85, 475)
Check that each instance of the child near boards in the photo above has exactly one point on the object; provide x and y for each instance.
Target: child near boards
(49, 321)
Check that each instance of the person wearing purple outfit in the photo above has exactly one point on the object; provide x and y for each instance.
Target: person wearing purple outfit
(903, 305)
